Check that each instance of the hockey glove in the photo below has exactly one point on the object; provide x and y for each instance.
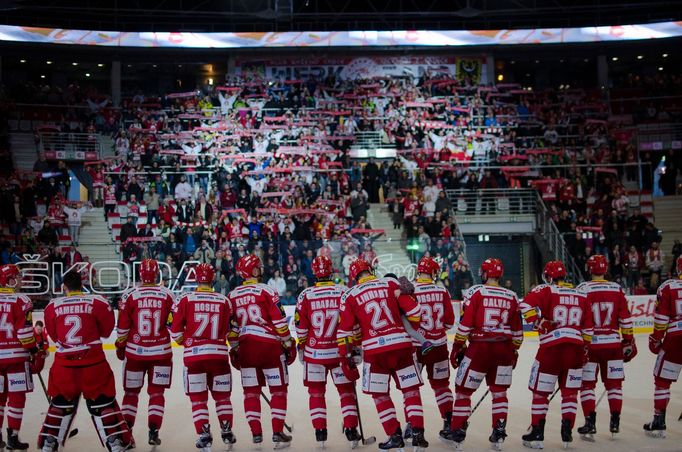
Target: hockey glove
(356, 356)
(289, 352)
(349, 370)
(300, 352)
(515, 358)
(120, 349)
(234, 357)
(655, 344)
(457, 354)
(544, 326)
(629, 349)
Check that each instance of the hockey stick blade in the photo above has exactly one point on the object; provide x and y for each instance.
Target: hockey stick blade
(73, 433)
(289, 428)
(369, 441)
(679, 418)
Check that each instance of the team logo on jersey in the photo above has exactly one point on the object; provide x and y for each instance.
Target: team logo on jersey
(188, 342)
(372, 333)
(136, 337)
(313, 341)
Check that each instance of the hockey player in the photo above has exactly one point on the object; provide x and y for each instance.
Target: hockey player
(317, 317)
(491, 322)
(666, 342)
(437, 317)
(607, 352)
(562, 317)
(376, 305)
(201, 322)
(76, 322)
(264, 350)
(143, 341)
(17, 345)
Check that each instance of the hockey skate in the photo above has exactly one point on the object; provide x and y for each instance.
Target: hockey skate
(353, 436)
(408, 431)
(614, 424)
(281, 440)
(419, 443)
(588, 430)
(498, 435)
(321, 437)
(226, 434)
(656, 428)
(205, 440)
(535, 439)
(50, 444)
(2, 443)
(566, 433)
(395, 441)
(455, 438)
(154, 439)
(114, 444)
(13, 442)
(446, 424)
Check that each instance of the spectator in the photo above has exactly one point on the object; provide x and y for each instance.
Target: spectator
(74, 220)
(204, 254)
(183, 190)
(151, 200)
(654, 263)
(277, 283)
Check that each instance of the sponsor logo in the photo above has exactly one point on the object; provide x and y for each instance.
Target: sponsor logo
(575, 377)
(158, 374)
(618, 369)
(221, 383)
(272, 377)
(408, 376)
(473, 379)
(382, 341)
(16, 382)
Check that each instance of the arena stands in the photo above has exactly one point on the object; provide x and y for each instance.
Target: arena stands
(266, 165)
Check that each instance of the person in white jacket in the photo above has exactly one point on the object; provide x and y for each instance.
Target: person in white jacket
(278, 284)
(183, 190)
(74, 219)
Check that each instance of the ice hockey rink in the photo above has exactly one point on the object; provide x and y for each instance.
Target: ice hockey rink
(177, 432)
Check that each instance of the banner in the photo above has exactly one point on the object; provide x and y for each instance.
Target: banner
(347, 68)
(471, 69)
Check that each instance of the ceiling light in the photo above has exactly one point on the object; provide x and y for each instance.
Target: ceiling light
(87, 74)
(42, 76)
(614, 59)
(48, 62)
(639, 57)
(75, 64)
(22, 61)
(500, 77)
(100, 64)
(660, 68)
(665, 55)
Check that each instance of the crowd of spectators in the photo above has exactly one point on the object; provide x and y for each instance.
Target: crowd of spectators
(264, 166)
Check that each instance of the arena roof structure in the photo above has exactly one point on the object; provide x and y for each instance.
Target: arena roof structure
(330, 15)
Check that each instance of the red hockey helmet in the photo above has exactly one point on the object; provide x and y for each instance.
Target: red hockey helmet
(7, 273)
(358, 266)
(322, 267)
(205, 274)
(491, 268)
(429, 266)
(597, 265)
(149, 271)
(554, 270)
(247, 264)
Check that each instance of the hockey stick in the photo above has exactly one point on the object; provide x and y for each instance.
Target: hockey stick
(42, 383)
(600, 398)
(286, 426)
(485, 394)
(679, 418)
(365, 441)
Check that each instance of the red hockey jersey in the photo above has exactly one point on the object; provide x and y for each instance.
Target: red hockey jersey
(565, 308)
(376, 305)
(201, 322)
(437, 314)
(491, 313)
(143, 315)
(16, 327)
(317, 319)
(610, 312)
(76, 323)
(668, 313)
(259, 314)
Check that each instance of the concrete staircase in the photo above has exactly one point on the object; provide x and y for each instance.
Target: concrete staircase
(96, 243)
(391, 253)
(669, 220)
(23, 148)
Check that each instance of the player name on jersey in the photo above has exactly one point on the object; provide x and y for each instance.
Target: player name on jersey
(73, 309)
